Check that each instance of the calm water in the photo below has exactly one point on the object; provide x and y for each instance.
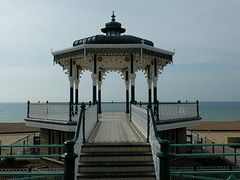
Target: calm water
(209, 111)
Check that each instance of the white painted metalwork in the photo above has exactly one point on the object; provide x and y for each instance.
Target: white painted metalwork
(139, 118)
(90, 119)
(155, 146)
(177, 111)
(52, 111)
(78, 147)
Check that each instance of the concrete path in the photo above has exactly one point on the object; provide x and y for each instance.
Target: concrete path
(115, 127)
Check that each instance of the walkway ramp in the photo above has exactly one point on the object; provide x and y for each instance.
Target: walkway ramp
(115, 127)
(116, 150)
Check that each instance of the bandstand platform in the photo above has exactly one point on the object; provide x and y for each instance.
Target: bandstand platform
(112, 143)
(124, 142)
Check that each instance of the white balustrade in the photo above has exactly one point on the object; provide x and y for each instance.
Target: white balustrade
(90, 119)
(90, 122)
(177, 111)
(51, 111)
(139, 117)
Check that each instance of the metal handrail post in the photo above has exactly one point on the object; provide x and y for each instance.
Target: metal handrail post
(197, 108)
(28, 108)
(69, 160)
(164, 156)
(148, 121)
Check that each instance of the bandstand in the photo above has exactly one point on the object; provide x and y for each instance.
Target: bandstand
(113, 52)
(113, 144)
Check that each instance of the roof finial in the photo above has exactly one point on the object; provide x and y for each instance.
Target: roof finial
(113, 17)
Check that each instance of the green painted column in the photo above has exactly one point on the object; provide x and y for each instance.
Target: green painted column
(94, 79)
(149, 81)
(132, 78)
(69, 160)
(164, 156)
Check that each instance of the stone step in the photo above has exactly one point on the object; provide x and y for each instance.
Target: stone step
(132, 166)
(116, 147)
(118, 176)
(115, 156)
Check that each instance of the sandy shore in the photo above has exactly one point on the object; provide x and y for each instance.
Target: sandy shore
(216, 126)
(12, 132)
(16, 128)
(217, 131)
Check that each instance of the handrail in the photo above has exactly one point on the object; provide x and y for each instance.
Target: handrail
(154, 124)
(79, 123)
(163, 155)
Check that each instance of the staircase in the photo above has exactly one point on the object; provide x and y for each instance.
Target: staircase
(116, 161)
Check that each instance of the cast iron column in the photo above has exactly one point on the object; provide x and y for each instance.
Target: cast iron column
(76, 88)
(127, 92)
(149, 81)
(71, 85)
(99, 91)
(132, 77)
(94, 79)
(155, 79)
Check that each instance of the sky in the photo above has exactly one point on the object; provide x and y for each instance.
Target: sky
(204, 35)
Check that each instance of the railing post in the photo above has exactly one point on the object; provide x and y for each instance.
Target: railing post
(223, 151)
(157, 110)
(83, 106)
(235, 157)
(197, 108)
(47, 109)
(213, 148)
(69, 160)
(164, 156)
(28, 108)
(148, 120)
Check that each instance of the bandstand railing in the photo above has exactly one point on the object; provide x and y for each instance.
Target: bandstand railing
(172, 111)
(161, 155)
(54, 111)
(71, 156)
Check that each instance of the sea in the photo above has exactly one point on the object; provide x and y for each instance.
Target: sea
(209, 111)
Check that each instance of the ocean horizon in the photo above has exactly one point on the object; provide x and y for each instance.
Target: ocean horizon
(13, 112)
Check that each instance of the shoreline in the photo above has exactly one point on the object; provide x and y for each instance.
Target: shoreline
(8, 128)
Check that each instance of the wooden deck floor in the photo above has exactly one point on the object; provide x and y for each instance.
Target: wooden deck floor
(115, 127)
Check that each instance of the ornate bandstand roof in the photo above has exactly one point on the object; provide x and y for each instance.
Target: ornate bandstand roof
(113, 51)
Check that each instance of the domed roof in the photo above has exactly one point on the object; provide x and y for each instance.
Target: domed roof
(113, 26)
(113, 35)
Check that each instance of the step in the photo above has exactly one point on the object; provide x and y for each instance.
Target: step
(115, 156)
(116, 166)
(116, 147)
(118, 175)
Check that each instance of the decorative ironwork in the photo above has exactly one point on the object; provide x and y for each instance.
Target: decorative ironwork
(177, 111)
(90, 118)
(139, 118)
(49, 111)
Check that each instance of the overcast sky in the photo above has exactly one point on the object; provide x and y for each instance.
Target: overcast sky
(204, 34)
